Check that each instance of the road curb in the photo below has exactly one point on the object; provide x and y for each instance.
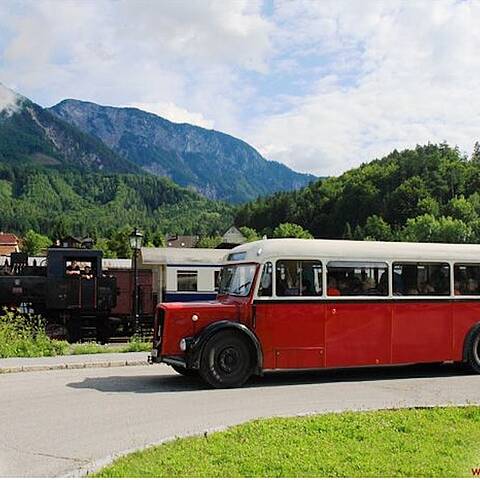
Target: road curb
(72, 366)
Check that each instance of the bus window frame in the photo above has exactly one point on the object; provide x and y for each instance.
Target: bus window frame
(461, 296)
(372, 298)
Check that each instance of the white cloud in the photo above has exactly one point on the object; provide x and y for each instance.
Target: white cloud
(174, 113)
(322, 86)
(416, 80)
(182, 53)
(9, 100)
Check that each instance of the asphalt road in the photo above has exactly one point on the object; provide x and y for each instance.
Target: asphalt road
(57, 423)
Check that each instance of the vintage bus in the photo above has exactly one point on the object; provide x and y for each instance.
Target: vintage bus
(290, 304)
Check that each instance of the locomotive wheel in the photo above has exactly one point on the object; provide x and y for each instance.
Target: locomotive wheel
(473, 350)
(226, 361)
(186, 372)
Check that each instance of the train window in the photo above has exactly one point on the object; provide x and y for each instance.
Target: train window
(357, 278)
(265, 287)
(81, 268)
(298, 278)
(467, 279)
(421, 279)
(187, 281)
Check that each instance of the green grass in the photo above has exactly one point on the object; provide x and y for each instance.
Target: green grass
(437, 442)
(92, 347)
(24, 336)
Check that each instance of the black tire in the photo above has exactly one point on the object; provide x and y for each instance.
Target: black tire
(227, 360)
(186, 372)
(473, 350)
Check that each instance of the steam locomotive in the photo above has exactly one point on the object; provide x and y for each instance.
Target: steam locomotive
(75, 295)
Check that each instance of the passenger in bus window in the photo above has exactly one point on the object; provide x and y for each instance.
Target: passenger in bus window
(369, 287)
(332, 290)
(472, 287)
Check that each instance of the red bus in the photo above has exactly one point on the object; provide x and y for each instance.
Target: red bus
(289, 304)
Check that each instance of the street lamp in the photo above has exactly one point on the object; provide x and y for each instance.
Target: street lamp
(136, 240)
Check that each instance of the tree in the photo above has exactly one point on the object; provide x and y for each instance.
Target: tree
(376, 228)
(34, 243)
(291, 230)
(250, 234)
(103, 244)
(461, 209)
(427, 228)
(475, 158)
(209, 241)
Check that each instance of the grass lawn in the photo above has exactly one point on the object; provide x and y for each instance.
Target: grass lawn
(437, 442)
(91, 347)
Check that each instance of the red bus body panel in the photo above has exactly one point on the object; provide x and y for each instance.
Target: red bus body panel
(312, 334)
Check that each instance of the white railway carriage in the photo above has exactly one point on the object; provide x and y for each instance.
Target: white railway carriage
(184, 274)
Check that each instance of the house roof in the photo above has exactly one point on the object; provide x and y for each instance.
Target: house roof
(8, 239)
(233, 236)
(182, 241)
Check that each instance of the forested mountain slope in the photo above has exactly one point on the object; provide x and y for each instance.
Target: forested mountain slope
(430, 193)
(59, 202)
(215, 164)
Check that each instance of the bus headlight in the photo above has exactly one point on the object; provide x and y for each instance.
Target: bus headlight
(183, 344)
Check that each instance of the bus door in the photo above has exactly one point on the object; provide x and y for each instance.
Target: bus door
(290, 324)
(357, 328)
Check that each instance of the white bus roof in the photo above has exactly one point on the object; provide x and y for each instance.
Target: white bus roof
(263, 250)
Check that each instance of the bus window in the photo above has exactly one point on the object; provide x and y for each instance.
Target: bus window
(421, 279)
(467, 279)
(298, 278)
(265, 287)
(357, 278)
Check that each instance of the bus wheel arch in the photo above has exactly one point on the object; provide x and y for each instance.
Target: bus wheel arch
(241, 346)
(471, 348)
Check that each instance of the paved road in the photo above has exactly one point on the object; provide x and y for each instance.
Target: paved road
(63, 422)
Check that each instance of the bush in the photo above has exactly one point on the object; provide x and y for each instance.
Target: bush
(23, 335)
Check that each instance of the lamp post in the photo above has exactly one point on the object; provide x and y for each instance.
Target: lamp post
(136, 240)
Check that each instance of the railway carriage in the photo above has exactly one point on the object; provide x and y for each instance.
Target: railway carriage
(291, 304)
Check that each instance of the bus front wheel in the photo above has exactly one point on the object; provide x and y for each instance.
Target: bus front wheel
(473, 351)
(226, 361)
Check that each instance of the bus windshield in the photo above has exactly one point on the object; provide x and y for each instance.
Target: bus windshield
(237, 279)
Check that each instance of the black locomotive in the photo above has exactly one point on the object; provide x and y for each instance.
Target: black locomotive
(68, 288)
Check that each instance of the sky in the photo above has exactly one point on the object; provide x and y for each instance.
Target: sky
(319, 85)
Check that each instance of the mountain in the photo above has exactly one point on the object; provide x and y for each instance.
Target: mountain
(57, 180)
(31, 135)
(429, 193)
(215, 164)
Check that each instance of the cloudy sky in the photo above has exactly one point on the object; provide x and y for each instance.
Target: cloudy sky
(319, 85)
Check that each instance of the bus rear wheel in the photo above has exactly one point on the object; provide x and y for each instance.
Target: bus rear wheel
(226, 361)
(473, 351)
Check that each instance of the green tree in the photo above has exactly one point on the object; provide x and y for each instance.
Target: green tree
(376, 228)
(291, 230)
(209, 241)
(427, 228)
(34, 243)
(461, 209)
(475, 158)
(250, 234)
(103, 244)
